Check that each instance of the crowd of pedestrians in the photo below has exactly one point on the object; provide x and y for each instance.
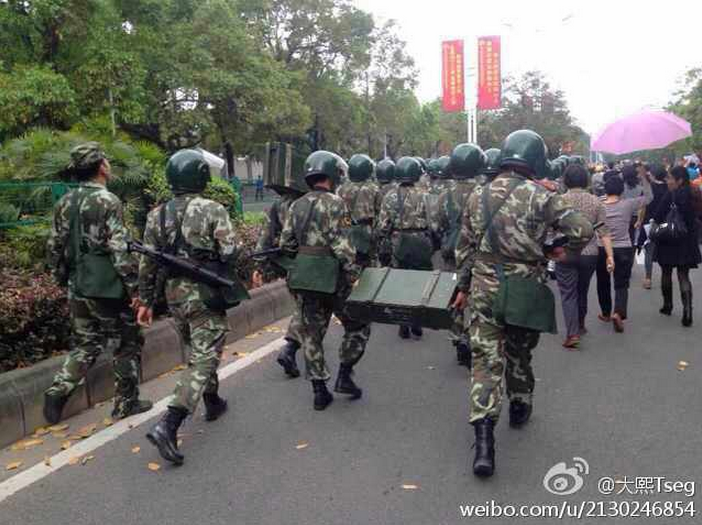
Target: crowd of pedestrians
(650, 210)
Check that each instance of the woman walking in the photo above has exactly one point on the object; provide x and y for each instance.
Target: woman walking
(574, 275)
(619, 214)
(659, 189)
(683, 254)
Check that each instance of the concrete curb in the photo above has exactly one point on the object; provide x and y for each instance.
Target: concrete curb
(22, 391)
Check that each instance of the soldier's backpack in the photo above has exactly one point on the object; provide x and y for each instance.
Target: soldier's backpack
(218, 299)
(520, 301)
(315, 268)
(94, 274)
(359, 232)
(413, 250)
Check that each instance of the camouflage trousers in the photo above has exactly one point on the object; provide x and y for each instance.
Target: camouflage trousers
(94, 323)
(459, 331)
(204, 332)
(501, 356)
(294, 327)
(316, 311)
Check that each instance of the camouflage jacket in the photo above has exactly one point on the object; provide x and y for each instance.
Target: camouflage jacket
(450, 207)
(361, 199)
(404, 208)
(103, 231)
(208, 234)
(520, 228)
(438, 186)
(274, 223)
(327, 227)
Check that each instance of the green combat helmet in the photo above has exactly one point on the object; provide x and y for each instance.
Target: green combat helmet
(444, 166)
(422, 164)
(361, 168)
(492, 166)
(467, 161)
(385, 171)
(408, 170)
(321, 164)
(433, 168)
(525, 151)
(187, 171)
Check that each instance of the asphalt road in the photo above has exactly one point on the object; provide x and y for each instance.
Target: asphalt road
(401, 454)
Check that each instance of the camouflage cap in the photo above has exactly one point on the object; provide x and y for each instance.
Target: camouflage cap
(86, 155)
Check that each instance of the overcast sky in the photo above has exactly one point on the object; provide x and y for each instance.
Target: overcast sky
(610, 57)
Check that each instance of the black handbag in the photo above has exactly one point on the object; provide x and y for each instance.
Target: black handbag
(673, 230)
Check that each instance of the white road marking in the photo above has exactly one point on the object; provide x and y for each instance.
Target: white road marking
(41, 470)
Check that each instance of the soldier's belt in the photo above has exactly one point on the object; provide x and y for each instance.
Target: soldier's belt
(413, 230)
(315, 250)
(492, 258)
(364, 222)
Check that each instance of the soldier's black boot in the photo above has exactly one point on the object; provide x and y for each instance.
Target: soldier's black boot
(345, 384)
(286, 358)
(53, 407)
(484, 462)
(519, 413)
(404, 331)
(463, 355)
(164, 435)
(417, 332)
(322, 396)
(215, 406)
(687, 308)
(131, 407)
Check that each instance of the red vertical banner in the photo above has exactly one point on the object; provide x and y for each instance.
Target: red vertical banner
(490, 73)
(452, 79)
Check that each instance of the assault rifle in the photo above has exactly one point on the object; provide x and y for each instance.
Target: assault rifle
(264, 254)
(186, 267)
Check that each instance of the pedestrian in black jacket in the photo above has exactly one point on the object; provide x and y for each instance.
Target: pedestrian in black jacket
(684, 254)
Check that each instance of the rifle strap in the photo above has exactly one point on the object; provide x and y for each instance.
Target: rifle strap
(302, 233)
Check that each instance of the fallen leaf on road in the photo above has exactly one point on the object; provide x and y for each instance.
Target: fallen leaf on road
(87, 431)
(164, 375)
(136, 450)
(14, 465)
(74, 437)
(431, 368)
(273, 330)
(59, 428)
(29, 443)
(47, 461)
(179, 443)
(682, 365)
(241, 354)
(253, 336)
(74, 460)
(41, 431)
(86, 459)
(66, 445)
(200, 431)
(410, 487)
(107, 422)
(154, 466)
(131, 426)
(179, 368)
(301, 445)
(59, 435)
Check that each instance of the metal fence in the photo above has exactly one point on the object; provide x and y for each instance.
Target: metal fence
(24, 203)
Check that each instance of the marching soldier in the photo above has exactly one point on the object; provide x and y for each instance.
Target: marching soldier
(502, 240)
(491, 168)
(89, 253)
(467, 161)
(385, 174)
(191, 227)
(316, 235)
(269, 239)
(361, 196)
(403, 219)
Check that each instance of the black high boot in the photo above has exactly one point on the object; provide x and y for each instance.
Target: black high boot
(286, 358)
(519, 413)
(322, 396)
(463, 355)
(164, 435)
(131, 407)
(404, 331)
(417, 332)
(345, 384)
(687, 308)
(53, 407)
(667, 290)
(215, 406)
(484, 462)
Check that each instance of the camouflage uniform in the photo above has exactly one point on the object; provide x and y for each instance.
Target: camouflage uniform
(446, 225)
(327, 228)
(206, 228)
(384, 245)
(94, 322)
(520, 226)
(363, 203)
(270, 238)
(404, 212)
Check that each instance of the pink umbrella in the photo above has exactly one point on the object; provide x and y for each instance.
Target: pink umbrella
(641, 131)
